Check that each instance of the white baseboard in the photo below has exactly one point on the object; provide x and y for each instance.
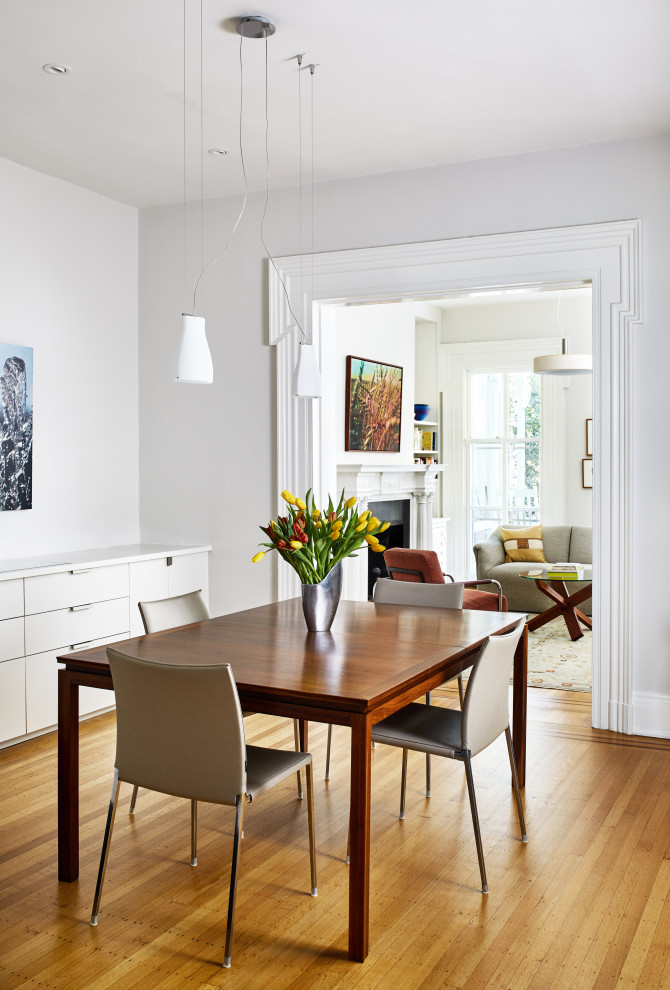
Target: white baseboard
(651, 715)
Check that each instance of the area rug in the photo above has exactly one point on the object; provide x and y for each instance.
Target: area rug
(554, 661)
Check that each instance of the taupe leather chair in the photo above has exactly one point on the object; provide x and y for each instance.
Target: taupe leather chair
(207, 759)
(180, 610)
(461, 735)
(388, 592)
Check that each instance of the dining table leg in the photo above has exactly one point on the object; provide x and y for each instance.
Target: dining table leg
(359, 870)
(519, 705)
(68, 776)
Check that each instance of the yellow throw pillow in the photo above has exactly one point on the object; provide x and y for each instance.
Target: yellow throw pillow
(523, 544)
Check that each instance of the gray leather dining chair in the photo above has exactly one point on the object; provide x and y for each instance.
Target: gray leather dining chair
(206, 760)
(461, 735)
(389, 592)
(181, 610)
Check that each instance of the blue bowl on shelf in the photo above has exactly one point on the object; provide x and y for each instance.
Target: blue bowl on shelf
(421, 410)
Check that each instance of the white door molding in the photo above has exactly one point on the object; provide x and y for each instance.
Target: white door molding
(608, 255)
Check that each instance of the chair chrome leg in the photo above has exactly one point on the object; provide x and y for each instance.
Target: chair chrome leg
(330, 737)
(310, 821)
(475, 819)
(194, 833)
(460, 690)
(239, 818)
(106, 842)
(133, 800)
(296, 736)
(515, 784)
(403, 784)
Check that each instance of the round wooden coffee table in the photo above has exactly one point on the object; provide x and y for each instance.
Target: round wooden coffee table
(565, 602)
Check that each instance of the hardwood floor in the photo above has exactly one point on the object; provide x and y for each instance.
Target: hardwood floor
(583, 905)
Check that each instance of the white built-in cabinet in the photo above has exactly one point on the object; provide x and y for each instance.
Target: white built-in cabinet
(52, 609)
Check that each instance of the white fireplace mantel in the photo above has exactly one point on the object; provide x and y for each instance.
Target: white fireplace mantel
(371, 483)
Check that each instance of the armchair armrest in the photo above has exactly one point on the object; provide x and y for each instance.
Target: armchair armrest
(474, 584)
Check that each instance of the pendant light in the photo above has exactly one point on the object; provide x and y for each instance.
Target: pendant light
(563, 363)
(194, 360)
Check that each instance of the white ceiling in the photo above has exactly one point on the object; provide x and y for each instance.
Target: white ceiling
(398, 86)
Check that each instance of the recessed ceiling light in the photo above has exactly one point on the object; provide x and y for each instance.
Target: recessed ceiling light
(56, 69)
(218, 151)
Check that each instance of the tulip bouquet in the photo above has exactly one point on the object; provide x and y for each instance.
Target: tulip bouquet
(314, 541)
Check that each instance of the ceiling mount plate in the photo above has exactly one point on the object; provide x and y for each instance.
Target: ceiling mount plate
(255, 26)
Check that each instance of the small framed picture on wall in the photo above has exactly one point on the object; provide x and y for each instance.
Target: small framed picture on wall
(589, 438)
(587, 472)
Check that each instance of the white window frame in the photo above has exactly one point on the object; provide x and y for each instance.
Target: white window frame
(456, 362)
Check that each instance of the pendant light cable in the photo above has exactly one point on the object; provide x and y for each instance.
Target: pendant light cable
(244, 175)
(267, 198)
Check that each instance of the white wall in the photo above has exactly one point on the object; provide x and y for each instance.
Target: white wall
(382, 333)
(68, 259)
(536, 318)
(207, 467)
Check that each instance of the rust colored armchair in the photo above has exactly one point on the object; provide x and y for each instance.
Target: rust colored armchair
(423, 565)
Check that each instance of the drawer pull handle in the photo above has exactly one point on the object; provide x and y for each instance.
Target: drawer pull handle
(81, 646)
(79, 608)
(81, 570)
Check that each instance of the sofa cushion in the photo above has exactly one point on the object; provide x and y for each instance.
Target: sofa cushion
(581, 545)
(523, 544)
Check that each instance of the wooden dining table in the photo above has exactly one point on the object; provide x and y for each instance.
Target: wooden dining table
(375, 659)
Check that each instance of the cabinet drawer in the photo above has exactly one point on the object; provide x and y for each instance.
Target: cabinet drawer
(12, 699)
(11, 598)
(42, 689)
(71, 626)
(48, 592)
(11, 639)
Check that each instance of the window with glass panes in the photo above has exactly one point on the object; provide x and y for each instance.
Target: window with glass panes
(503, 443)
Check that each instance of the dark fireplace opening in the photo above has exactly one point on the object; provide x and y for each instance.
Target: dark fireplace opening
(395, 512)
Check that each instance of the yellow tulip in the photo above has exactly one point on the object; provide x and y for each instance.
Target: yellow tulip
(384, 527)
(318, 525)
(371, 540)
(364, 515)
(257, 556)
(316, 514)
(338, 524)
(359, 529)
(378, 548)
(372, 524)
(288, 497)
(296, 544)
(301, 505)
(350, 503)
(335, 535)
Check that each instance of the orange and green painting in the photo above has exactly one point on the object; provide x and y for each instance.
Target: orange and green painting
(374, 397)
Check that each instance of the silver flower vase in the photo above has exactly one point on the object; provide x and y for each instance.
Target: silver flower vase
(320, 601)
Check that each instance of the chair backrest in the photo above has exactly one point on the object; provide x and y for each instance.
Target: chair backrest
(389, 592)
(179, 728)
(166, 613)
(424, 564)
(486, 705)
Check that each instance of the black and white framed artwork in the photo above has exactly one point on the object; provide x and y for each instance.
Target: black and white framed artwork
(16, 427)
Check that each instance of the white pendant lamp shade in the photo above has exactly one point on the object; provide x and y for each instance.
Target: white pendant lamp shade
(194, 361)
(306, 377)
(563, 363)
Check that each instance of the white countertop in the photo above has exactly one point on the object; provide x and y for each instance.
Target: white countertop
(51, 563)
